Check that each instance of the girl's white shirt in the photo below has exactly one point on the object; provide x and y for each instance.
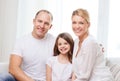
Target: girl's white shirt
(60, 71)
(89, 64)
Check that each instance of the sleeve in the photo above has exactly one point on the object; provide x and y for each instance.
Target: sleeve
(50, 61)
(88, 57)
(17, 50)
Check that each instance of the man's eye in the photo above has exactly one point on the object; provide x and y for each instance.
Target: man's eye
(47, 23)
(39, 21)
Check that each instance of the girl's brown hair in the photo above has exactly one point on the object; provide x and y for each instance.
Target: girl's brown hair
(69, 39)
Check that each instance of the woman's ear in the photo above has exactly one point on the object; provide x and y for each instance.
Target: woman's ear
(88, 24)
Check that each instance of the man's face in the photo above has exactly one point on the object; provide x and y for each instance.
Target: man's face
(42, 23)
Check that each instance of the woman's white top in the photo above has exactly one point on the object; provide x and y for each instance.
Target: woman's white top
(60, 71)
(89, 64)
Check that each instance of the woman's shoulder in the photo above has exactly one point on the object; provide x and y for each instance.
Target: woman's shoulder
(91, 39)
(90, 42)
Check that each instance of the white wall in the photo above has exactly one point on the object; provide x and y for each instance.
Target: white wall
(8, 23)
(16, 20)
(103, 22)
(114, 29)
(26, 12)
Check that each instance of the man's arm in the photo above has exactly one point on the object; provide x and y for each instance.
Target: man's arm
(15, 69)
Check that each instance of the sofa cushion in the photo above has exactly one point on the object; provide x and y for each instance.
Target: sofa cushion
(3, 67)
(114, 68)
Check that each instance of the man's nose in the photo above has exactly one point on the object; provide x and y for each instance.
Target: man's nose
(42, 25)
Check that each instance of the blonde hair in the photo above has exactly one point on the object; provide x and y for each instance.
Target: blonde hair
(83, 13)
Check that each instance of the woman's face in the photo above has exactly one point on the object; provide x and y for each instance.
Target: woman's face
(79, 26)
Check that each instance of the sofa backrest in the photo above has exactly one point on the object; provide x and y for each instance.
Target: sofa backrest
(3, 67)
(114, 65)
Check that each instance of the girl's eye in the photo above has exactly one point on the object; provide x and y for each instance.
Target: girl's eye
(66, 43)
(59, 44)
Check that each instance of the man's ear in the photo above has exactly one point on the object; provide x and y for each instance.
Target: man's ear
(33, 21)
(51, 26)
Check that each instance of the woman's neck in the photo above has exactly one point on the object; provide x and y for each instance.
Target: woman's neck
(81, 38)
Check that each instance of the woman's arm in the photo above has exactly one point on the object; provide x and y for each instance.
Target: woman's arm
(48, 73)
(86, 61)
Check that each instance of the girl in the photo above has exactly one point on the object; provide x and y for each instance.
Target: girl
(59, 67)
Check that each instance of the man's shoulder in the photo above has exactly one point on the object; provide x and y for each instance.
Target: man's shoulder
(50, 36)
(24, 37)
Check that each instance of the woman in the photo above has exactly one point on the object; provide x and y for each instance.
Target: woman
(88, 58)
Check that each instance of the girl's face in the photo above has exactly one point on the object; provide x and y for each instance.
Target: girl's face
(79, 26)
(63, 46)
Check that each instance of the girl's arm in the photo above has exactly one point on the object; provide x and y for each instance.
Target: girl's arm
(73, 77)
(48, 73)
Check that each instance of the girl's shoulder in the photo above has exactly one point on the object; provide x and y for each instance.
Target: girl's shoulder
(52, 58)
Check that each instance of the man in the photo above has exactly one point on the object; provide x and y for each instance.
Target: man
(28, 59)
